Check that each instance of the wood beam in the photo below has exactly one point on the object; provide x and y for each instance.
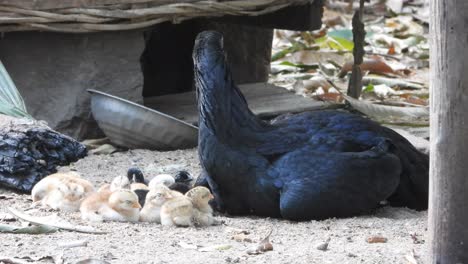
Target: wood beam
(448, 199)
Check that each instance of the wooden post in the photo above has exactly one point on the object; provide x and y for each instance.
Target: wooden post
(448, 201)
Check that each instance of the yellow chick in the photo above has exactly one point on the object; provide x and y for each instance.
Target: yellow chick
(120, 205)
(119, 182)
(155, 198)
(164, 179)
(202, 211)
(177, 211)
(62, 191)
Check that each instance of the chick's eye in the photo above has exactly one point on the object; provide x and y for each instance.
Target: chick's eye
(128, 202)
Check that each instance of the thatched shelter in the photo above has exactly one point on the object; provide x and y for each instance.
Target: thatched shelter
(56, 49)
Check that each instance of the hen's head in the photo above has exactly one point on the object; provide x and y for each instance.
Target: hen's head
(208, 50)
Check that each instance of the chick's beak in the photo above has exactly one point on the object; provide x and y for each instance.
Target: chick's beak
(136, 205)
(211, 196)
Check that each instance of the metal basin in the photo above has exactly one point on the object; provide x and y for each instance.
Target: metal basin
(132, 125)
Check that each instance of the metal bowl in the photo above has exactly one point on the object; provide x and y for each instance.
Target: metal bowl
(132, 125)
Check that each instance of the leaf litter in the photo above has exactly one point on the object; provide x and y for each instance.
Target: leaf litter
(317, 64)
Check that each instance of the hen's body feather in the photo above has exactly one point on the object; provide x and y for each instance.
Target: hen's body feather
(312, 165)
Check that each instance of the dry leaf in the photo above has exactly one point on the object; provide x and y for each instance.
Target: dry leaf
(312, 57)
(392, 82)
(383, 90)
(264, 246)
(241, 238)
(372, 65)
(416, 240)
(214, 248)
(236, 230)
(385, 111)
(95, 143)
(323, 246)
(376, 239)
(316, 84)
(395, 5)
(391, 50)
(409, 98)
(329, 97)
(186, 245)
(103, 150)
(411, 258)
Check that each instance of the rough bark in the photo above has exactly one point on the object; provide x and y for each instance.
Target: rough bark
(448, 209)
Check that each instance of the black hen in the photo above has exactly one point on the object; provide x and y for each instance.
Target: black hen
(312, 165)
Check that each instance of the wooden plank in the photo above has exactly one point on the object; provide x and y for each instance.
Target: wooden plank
(448, 196)
(265, 100)
(302, 17)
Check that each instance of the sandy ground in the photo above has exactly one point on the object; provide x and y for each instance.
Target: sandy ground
(293, 242)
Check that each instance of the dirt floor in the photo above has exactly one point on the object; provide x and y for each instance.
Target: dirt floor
(293, 242)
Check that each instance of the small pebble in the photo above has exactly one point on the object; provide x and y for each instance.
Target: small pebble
(323, 246)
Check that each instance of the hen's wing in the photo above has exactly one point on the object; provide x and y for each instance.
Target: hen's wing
(334, 131)
(319, 185)
(324, 130)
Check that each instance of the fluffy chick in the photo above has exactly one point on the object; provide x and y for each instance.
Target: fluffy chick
(137, 180)
(155, 199)
(119, 182)
(164, 179)
(177, 211)
(202, 211)
(135, 175)
(183, 176)
(138, 184)
(171, 182)
(49, 183)
(62, 191)
(120, 205)
(66, 196)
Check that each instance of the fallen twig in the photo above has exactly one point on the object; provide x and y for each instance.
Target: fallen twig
(385, 111)
(33, 230)
(73, 244)
(54, 222)
(8, 260)
(392, 82)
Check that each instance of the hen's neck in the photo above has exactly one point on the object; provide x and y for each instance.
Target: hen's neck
(222, 108)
